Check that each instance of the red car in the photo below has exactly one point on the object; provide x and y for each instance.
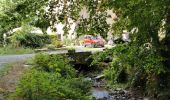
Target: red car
(91, 41)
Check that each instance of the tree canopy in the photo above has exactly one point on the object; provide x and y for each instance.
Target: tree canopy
(15, 12)
(146, 20)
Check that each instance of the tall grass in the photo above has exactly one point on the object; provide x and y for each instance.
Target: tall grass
(8, 50)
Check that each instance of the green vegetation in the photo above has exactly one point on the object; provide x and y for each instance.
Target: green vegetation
(38, 85)
(133, 67)
(29, 40)
(144, 62)
(4, 70)
(55, 64)
(52, 78)
(14, 13)
(8, 50)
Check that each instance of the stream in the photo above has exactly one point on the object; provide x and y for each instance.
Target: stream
(104, 94)
(100, 91)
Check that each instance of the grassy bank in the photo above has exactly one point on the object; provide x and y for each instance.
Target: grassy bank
(11, 50)
(4, 70)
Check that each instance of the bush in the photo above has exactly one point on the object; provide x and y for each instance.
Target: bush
(40, 85)
(21, 38)
(55, 41)
(52, 78)
(55, 64)
(136, 66)
(102, 60)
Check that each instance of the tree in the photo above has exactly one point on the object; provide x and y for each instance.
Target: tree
(147, 55)
(147, 16)
(14, 13)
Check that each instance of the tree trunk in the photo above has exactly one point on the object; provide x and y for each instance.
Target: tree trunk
(166, 43)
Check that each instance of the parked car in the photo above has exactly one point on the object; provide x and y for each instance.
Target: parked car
(92, 41)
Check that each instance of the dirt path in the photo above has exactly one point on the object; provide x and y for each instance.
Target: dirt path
(9, 81)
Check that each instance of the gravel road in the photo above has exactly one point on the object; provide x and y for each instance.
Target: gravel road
(14, 58)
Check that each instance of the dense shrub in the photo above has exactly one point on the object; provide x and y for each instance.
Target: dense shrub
(55, 64)
(52, 78)
(29, 39)
(137, 66)
(101, 61)
(55, 41)
(40, 85)
(25, 37)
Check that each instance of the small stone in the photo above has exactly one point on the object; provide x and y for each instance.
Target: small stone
(113, 93)
(125, 91)
(99, 77)
(145, 98)
(111, 98)
(118, 89)
(140, 98)
(88, 79)
(124, 98)
(128, 97)
(121, 92)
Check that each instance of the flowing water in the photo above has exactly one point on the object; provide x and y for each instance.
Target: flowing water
(101, 93)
